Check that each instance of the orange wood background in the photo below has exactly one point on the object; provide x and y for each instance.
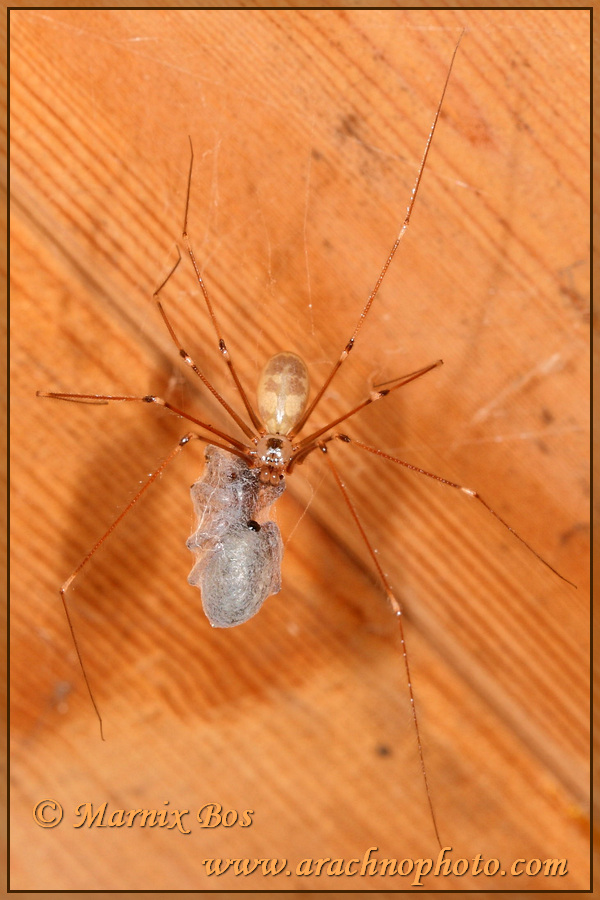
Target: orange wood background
(308, 127)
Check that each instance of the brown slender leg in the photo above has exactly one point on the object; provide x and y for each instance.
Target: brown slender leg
(398, 613)
(175, 452)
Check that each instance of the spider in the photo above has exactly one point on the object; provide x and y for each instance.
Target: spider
(238, 549)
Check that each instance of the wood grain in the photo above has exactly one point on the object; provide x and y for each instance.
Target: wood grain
(308, 128)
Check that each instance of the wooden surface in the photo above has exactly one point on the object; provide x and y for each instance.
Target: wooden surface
(308, 128)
